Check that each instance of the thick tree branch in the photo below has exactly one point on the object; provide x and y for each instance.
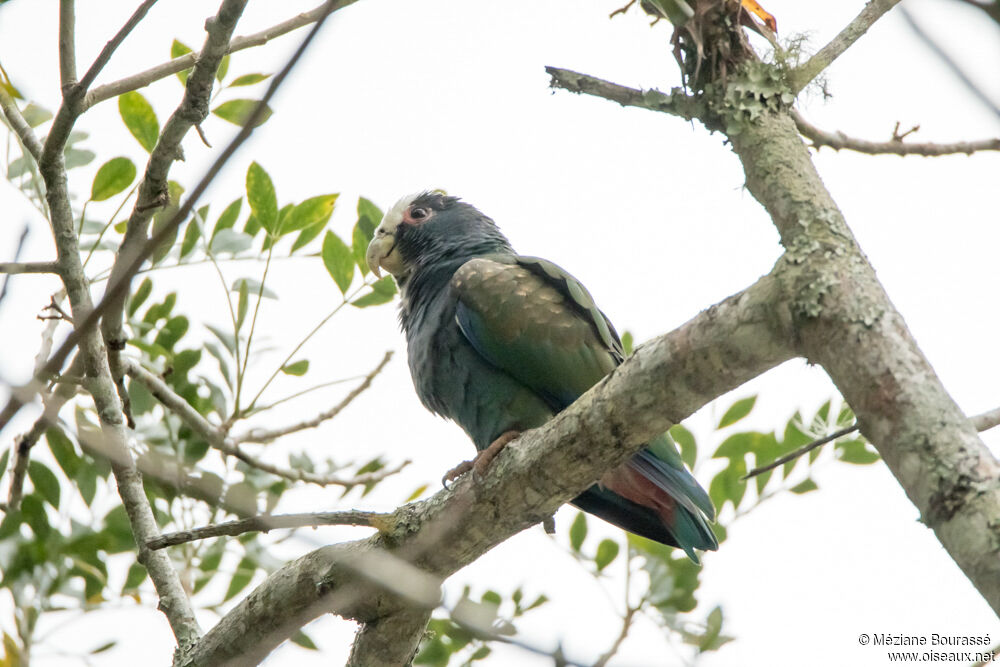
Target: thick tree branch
(718, 350)
(847, 324)
(268, 522)
(217, 439)
(809, 70)
(895, 146)
(676, 102)
(187, 61)
(391, 641)
(268, 435)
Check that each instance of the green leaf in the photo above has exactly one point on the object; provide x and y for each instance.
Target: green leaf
(737, 411)
(191, 236)
(163, 217)
(297, 368)
(86, 483)
(578, 531)
(303, 640)
(44, 481)
(228, 217)
(369, 215)
(685, 439)
(735, 446)
(140, 296)
(63, 451)
(382, 292)
(628, 343)
(238, 112)
(262, 198)
(248, 79)
(417, 492)
(113, 177)
(254, 286)
(312, 211)
(35, 115)
(139, 118)
(34, 515)
(307, 235)
(220, 73)
(136, 575)
(178, 49)
(804, 487)
(106, 646)
(857, 452)
(171, 332)
(231, 241)
(338, 261)
(76, 157)
(241, 578)
(243, 305)
(607, 551)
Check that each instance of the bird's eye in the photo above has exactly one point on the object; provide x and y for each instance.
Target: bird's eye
(418, 214)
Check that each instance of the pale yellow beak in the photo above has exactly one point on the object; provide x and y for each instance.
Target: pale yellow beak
(382, 254)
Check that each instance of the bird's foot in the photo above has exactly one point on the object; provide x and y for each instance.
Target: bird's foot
(483, 459)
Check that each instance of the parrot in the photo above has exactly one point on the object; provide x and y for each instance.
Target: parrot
(499, 343)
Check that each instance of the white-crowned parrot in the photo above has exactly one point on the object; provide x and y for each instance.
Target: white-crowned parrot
(500, 343)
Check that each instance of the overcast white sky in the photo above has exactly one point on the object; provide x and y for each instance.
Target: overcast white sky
(648, 211)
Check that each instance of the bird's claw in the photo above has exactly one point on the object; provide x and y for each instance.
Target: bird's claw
(481, 463)
(456, 472)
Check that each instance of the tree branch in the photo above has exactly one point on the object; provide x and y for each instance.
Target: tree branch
(152, 191)
(847, 324)
(391, 642)
(895, 146)
(181, 63)
(800, 77)
(29, 267)
(676, 102)
(217, 439)
(265, 435)
(105, 55)
(20, 126)
(267, 522)
(67, 44)
(718, 350)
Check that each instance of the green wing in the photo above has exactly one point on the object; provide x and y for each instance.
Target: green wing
(534, 321)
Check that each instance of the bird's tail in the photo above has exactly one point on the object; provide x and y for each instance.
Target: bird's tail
(654, 495)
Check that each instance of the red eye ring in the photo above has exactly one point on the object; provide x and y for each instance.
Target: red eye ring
(416, 215)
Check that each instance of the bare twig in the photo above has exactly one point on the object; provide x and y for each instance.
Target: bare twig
(29, 267)
(943, 56)
(809, 70)
(805, 449)
(263, 435)
(217, 438)
(24, 133)
(18, 267)
(676, 102)
(268, 522)
(181, 63)
(895, 146)
(982, 422)
(105, 55)
(67, 44)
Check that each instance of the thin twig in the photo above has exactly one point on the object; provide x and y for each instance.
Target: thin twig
(809, 70)
(263, 435)
(895, 146)
(105, 55)
(181, 63)
(981, 422)
(24, 133)
(29, 267)
(67, 44)
(791, 456)
(217, 439)
(676, 102)
(267, 522)
(24, 268)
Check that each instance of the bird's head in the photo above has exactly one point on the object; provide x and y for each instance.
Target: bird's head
(429, 228)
